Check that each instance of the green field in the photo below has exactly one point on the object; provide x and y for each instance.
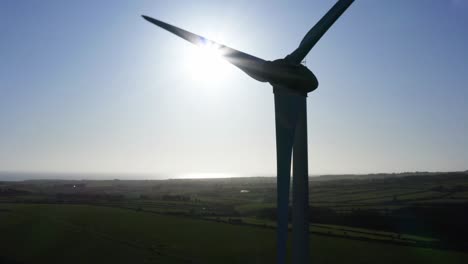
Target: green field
(95, 234)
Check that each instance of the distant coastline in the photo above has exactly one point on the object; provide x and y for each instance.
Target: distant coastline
(24, 176)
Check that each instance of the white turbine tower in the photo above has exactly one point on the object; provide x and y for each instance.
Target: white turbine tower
(291, 83)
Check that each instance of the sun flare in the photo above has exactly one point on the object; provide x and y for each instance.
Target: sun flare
(207, 64)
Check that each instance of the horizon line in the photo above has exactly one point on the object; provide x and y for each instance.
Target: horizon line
(4, 175)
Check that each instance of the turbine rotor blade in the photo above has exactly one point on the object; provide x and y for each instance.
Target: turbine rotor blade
(314, 34)
(288, 107)
(300, 189)
(251, 65)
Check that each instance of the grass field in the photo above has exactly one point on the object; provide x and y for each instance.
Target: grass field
(94, 234)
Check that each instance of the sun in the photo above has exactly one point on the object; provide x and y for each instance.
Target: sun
(207, 64)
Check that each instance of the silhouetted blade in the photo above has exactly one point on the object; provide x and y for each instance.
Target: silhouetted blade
(251, 65)
(314, 35)
(288, 109)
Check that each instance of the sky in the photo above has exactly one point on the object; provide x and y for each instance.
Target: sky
(90, 87)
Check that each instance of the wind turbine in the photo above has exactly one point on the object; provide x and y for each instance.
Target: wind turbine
(291, 83)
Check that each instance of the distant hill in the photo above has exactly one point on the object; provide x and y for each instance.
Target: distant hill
(383, 175)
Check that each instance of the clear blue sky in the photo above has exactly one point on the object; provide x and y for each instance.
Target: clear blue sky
(89, 86)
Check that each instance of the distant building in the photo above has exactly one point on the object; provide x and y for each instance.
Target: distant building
(74, 185)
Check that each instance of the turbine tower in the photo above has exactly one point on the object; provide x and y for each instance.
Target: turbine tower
(291, 83)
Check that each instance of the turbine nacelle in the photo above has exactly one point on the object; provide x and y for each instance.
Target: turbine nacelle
(296, 77)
